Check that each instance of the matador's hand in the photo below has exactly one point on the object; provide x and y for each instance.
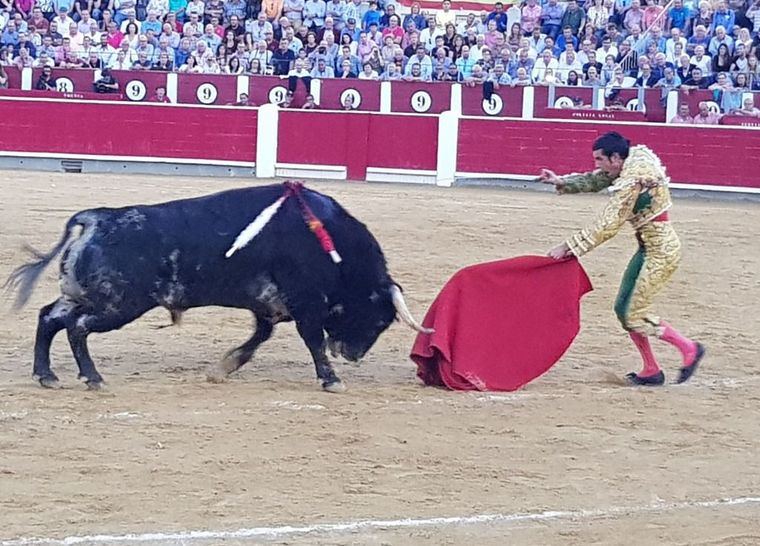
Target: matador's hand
(561, 252)
(549, 177)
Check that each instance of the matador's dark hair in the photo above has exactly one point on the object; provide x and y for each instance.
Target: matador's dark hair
(612, 143)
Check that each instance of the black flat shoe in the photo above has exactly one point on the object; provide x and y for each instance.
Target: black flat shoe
(687, 371)
(654, 380)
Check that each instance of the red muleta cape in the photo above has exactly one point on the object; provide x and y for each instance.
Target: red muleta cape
(499, 325)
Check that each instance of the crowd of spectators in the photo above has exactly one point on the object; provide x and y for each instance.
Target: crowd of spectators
(683, 44)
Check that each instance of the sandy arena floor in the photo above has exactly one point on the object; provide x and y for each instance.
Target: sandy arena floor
(163, 451)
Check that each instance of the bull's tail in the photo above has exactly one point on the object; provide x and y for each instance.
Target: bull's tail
(24, 277)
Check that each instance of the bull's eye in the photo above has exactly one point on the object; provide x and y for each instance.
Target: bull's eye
(336, 310)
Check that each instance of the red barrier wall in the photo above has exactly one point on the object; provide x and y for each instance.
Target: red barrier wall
(14, 77)
(357, 140)
(129, 130)
(712, 155)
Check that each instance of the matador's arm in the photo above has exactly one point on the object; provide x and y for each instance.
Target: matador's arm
(608, 223)
(585, 182)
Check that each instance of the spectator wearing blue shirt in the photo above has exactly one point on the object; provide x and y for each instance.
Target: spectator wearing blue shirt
(723, 17)
(465, 63)
(500, 16)
(372, 16)
(566, 38)
(10, 35)
(414, 17)
(151, 23)
(551, 19)
(679, 17)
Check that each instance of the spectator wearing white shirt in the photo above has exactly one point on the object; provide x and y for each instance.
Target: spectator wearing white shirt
(104, 50)
(570, 64)
(120, 61)
(197, 7)
(298, 72)
(314, 12)
(607, 48)
(258, 28)
(547, 61)
(702, 61)
(261, 53)
(368, 73)
(426, 65)
(212, 39)
(193, 28)
(675, 37)
(161, 7)
(427, 35)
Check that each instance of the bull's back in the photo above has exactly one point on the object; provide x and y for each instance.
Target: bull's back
(179, 247)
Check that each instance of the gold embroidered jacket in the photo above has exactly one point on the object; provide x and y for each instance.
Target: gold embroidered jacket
(639, 194)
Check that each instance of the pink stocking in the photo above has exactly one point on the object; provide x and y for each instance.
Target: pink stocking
(650, 363)
(687, 347)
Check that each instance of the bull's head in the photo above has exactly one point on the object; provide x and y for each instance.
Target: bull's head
(354, 325)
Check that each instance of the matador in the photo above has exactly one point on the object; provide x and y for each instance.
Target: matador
(638, 184)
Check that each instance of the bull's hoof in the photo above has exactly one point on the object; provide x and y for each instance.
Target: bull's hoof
(336, 387)
(215, 375)
(49, 382)
(93, 383)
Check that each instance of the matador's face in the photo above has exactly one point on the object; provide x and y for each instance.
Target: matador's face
(610, 165)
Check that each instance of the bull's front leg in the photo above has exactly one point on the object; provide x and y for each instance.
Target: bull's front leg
(314, 337)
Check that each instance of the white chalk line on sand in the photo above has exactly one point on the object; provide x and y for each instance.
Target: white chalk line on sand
(328, 528)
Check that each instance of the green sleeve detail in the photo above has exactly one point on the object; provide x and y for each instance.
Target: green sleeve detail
(586, 182)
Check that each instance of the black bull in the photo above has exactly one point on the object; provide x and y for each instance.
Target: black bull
(127, 261)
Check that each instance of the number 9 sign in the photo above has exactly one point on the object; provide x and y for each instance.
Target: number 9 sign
(64, 85)
(135, 90)
(277, 94)
(421, 101)
(206, 93)
(494, 106)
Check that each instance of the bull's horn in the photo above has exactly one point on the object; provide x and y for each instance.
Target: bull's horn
(403, 311)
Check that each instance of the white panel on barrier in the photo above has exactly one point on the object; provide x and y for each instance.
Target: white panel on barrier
(171, 86)
(448, 139)
(385, 97)
(266, 147)
(456, 98)
(26, 79)
(672, 106)
(316, 90)
(528, 102)
(242, 87)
